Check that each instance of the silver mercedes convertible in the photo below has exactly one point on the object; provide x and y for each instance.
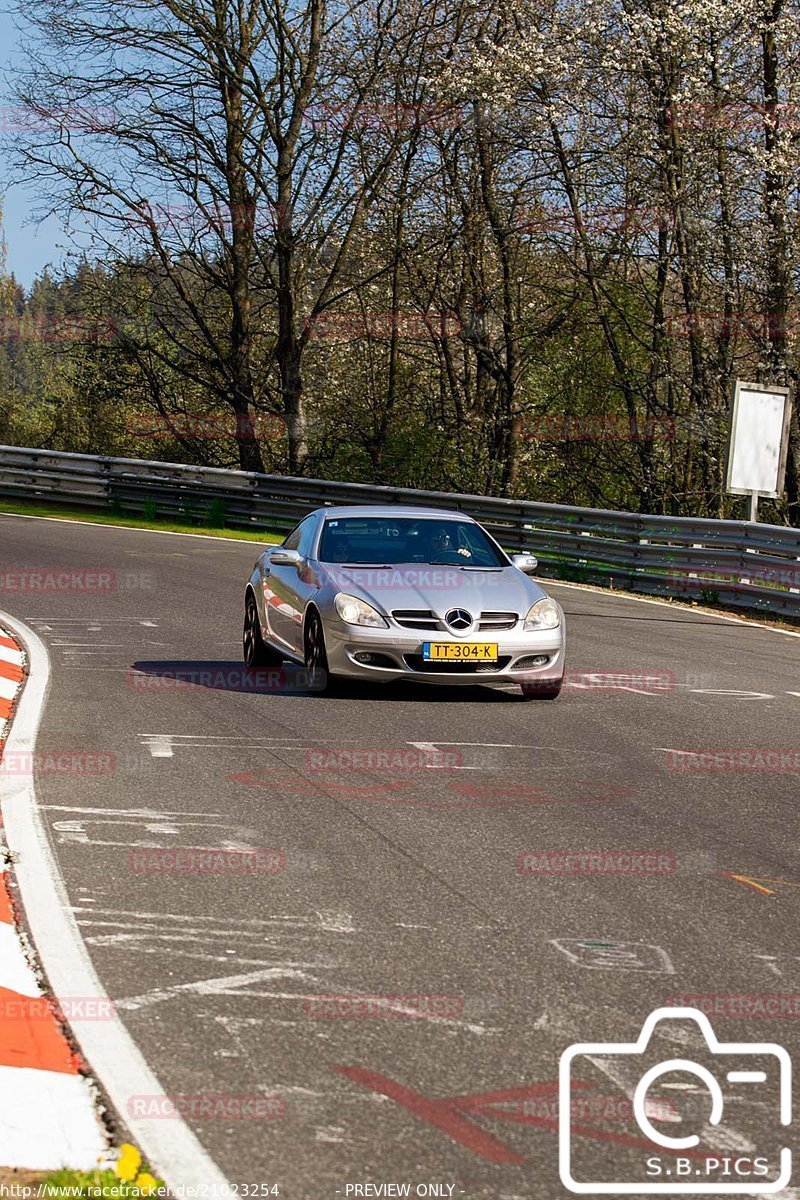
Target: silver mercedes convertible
(392, 593)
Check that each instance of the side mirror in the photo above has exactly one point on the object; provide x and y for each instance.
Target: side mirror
(281, 557)
(525, 562)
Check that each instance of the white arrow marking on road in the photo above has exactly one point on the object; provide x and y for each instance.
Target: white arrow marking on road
(130, 812)
(432, 748)
(733, 692)
(229, 985)
(160, 746)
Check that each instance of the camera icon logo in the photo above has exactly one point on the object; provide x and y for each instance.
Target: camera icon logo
(680, 1164)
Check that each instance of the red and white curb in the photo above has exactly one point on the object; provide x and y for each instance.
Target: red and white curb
(173, 1151)
(47, 1111)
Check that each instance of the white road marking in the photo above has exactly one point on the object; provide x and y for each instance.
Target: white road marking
(130, 812)
(48, 1119)
(733, 692)
(15, 971)
(228, 543)
(92, 645)
(159, 747)
(163, 745)
(227, 985)
(96, 622)
(595, 679)
(256, 937)
(488, 745)
(290, 920)
(431, 748)
(333, 921)
(331, 1133)
(610, 954)
(170, 1146)
(79, 837)
(149, 825)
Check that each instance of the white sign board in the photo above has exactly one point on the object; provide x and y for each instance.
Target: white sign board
(759, 437)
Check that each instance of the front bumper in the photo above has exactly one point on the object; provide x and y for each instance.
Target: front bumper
(398, 655)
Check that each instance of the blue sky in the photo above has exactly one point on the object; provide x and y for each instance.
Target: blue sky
(30, 248)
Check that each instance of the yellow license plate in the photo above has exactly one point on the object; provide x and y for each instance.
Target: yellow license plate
(459, 651)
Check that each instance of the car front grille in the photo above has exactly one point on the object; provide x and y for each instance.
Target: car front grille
(423, 618)
(417, 663)
(497, 620)
(416, 618)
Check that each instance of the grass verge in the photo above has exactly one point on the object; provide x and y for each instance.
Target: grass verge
(76, 1185)
(127, 1181)
(66, 513)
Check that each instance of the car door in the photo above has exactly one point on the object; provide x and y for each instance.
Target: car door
(287, 586)
(306, 581)
(280, 586)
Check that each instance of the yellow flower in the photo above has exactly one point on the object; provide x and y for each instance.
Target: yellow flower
(147, 1184)
(128, 1162)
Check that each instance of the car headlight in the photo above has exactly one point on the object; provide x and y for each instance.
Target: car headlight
(357, 612)
(543, 614)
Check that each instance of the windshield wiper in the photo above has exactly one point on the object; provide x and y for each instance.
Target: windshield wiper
(377, 566)
(438, 562)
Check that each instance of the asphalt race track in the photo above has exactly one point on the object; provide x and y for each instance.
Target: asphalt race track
(400, 821)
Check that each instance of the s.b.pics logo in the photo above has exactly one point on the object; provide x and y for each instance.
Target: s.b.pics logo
(720, 1135)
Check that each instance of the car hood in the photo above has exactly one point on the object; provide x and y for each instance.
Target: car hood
(436, 588)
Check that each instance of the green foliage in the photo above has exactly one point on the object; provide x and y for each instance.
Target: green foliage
(95, 1185)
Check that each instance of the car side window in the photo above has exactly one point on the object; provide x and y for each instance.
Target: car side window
(293, 540)
(302, 536)
(307, 530)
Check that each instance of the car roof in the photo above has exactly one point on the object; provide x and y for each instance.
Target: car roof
(391, 510)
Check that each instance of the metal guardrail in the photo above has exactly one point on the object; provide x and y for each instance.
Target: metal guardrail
(737, 563)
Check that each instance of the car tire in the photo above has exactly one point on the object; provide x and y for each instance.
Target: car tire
(255, 651)
(541, 693)
(318, 677)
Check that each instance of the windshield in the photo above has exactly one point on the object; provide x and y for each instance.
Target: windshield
(391, 541)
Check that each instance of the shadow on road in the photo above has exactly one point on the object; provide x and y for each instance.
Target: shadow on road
(288, 679)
